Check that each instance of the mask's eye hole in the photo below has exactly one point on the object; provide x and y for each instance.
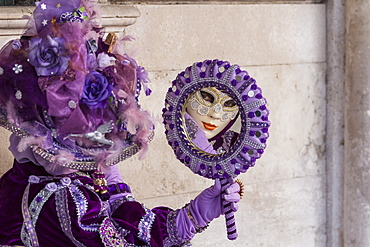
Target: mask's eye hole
(230, 103)
(207, 96)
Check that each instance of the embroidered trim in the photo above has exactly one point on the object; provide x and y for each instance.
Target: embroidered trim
(145, 225)
(173, 236)
(110, 236)
(61, 206)
(29, 238)
(28, 233)
(81, 208)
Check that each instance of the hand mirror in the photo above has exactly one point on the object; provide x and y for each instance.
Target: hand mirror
(216, 120)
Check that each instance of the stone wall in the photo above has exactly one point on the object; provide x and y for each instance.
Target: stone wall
(283, 46)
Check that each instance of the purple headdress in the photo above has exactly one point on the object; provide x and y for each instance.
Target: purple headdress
(69, 92)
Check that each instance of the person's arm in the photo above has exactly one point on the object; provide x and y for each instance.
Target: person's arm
(195, 216)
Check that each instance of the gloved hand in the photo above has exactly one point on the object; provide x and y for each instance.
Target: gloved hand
(197, 135)
(206, 207)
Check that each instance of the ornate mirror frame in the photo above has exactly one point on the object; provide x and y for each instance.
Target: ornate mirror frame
(253, 114)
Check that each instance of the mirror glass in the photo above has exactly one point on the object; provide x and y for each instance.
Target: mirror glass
(216, 119)
(208, 118)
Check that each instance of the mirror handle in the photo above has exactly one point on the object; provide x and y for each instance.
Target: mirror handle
(229, 213)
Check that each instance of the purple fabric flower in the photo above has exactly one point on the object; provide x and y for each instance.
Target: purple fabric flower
(52, 187)
(16, 44)
(33, 179)
(48, 56)
(66, 181)
(97, 90)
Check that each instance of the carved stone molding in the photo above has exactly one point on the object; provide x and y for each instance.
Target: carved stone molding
(114, 17)
(216, 1)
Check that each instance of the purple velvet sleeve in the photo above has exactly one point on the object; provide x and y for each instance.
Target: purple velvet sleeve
(179, 229)
(77, 208)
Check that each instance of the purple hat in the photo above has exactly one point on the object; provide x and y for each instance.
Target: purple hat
(70, 91)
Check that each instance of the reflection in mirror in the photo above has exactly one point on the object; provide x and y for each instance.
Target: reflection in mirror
(204, 106)
(208, 117)
(216, 119)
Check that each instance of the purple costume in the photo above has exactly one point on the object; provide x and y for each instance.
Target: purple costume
(72, 214)
(70, 97)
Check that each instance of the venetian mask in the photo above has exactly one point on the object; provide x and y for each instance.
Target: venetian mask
(212, 110)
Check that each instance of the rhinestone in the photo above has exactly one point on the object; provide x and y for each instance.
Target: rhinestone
(220, 172)
(251, 93)
(258, 134)
(221, 69)
(18, 95)
(72, 104)
(203, 69)
(238, 78)
(217, 108)
(238, 166)
(194, 105)
(186, 75)
(203, 110)
(18, 68)
(174, 88)
(54, 133)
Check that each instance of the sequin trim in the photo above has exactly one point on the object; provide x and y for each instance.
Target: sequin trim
(81, 208)
(64, 216)
(110, 236)
(145, 225)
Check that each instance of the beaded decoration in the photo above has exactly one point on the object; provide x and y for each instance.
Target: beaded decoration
(71, 94)
(253, 114)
